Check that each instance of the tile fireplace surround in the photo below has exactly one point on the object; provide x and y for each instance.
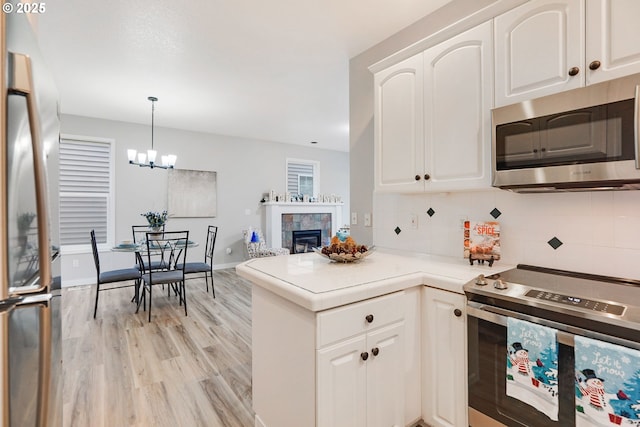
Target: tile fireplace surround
(275, 210)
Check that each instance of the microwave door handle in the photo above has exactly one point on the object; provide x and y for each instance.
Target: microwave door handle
(636, 126)
(21, 83)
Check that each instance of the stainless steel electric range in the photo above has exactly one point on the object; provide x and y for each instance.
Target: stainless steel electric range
(606, 309)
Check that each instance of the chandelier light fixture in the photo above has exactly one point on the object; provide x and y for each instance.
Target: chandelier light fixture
(149, 159)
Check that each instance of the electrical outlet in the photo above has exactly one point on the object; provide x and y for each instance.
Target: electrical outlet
(75, 263)
(354, 218)
(367, 220)
(413, 220)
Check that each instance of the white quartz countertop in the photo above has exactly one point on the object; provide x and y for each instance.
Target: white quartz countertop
(316, 283)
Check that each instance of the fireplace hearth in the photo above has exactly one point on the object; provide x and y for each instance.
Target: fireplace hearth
(305, 240)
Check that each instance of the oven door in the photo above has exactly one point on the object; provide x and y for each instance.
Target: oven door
(489, 404)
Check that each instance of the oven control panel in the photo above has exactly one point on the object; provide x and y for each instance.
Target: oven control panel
(587, 304)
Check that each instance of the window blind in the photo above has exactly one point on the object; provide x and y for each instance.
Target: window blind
(85, 189)
(294, 170)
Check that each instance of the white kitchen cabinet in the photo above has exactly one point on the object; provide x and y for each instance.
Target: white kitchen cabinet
(612, 39)
(537, 44)
(432, 123)
(399, 141)
(549, 46)
(458, 87)
(444, 385)
(361, 380)
(308, 367)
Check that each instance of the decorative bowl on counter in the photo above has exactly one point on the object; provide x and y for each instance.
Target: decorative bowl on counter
(344, 257)
(344, 251)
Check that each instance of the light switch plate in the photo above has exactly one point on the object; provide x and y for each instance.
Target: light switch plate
(367, 220)
(354, 218)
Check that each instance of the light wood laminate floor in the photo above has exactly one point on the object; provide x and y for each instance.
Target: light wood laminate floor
(195, 370)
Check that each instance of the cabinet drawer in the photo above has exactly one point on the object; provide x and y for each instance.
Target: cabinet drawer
(353, 319)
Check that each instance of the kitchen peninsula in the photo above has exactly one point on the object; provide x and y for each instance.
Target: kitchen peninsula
(351, 344)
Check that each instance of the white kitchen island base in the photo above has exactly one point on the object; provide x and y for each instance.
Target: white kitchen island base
(338, 345)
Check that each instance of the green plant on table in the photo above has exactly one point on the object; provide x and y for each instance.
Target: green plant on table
(156, 219)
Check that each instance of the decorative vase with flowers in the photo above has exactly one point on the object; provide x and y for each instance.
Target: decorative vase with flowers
(156, 221)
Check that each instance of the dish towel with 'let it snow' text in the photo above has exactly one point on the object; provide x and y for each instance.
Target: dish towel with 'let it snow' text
(532, 365)
(607, 384)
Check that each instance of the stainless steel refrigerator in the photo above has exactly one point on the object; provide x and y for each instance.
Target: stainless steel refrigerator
(30, 323)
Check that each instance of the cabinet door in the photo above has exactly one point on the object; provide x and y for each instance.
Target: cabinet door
(612, 38)
(536, 46)
(342, 384)
(458, 99)
(385, 376)
(444, 348)
(398, 127)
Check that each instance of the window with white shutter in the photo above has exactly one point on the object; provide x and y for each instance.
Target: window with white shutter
(303, 177)
(86, 183)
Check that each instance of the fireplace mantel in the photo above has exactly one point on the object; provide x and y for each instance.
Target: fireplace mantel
(275, 210)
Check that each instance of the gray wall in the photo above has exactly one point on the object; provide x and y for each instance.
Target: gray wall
(245, 169)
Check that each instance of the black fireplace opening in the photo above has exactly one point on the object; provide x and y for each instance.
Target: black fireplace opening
(305, 240)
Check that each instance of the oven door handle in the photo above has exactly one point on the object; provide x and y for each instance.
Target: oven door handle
(565, 333)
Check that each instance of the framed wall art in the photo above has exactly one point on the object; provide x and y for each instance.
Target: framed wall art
(192, 193)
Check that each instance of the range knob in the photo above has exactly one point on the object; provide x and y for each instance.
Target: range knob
(500, 284)
(480, 280)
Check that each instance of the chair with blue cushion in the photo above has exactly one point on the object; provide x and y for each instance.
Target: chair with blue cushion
(171, 248)
(112, 276)
(139, 237)
(205, 267)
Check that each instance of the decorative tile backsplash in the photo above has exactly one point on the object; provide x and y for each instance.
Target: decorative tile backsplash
(592, 232)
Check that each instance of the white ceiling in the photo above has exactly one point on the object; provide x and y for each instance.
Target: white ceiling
(272, 70)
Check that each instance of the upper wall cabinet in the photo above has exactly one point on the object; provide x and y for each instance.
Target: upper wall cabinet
(539, 50)
(399, 109)
(613, 32)
(432, 122)
(549, 46)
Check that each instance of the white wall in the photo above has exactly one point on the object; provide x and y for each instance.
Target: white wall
(245, 169)
(600, 231)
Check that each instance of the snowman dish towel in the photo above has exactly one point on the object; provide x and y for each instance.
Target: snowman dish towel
(532, 365)
(607, 384)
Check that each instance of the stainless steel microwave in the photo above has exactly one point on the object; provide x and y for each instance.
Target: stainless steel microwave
(582, 139)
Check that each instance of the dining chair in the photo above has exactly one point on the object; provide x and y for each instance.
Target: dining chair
(171, 249)
(112, 276)
(139, 237)
(205, 267)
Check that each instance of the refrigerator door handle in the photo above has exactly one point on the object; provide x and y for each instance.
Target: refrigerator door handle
(21, 83)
